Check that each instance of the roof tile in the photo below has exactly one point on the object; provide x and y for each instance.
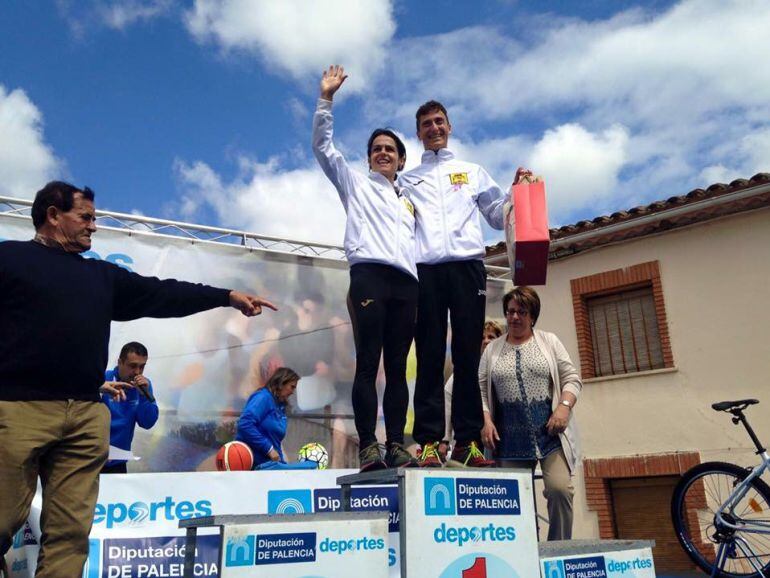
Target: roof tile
(713, 191)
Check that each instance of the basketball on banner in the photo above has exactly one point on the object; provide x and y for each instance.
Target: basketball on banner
(314, 452)
(234, 456)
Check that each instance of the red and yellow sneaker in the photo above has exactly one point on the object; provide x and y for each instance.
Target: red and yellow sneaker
(428, 456)
(469, 456)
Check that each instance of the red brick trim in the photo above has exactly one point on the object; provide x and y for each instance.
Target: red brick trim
(642, 275)
(598, 473)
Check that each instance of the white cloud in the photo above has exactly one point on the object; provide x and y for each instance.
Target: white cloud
(120, 14)
(266, 199)
(300, 37)
(749, 157)
(717, 174)
(699, 56)
(82, 15)
(450, 67)
(689, 85)
(299, 113)
(757, 148)
(580, 167)
(613, 113)
(26, 161)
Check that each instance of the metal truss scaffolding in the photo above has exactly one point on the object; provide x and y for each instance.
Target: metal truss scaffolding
(138, 224)
(141, 225)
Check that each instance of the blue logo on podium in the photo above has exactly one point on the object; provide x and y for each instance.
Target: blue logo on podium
(553, 569)
(240, 551)
(440, 497)
(289, 502)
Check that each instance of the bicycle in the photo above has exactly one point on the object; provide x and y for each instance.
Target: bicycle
(721, 511)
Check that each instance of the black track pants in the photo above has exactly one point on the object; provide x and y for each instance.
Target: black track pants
(459, 289)
(382, 302)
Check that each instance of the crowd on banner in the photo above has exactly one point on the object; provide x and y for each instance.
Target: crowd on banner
(414, 244)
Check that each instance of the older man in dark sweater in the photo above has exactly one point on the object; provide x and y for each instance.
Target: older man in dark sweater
(55, 313)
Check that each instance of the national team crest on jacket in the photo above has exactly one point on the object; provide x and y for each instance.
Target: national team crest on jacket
(458, 178)
(408, 204)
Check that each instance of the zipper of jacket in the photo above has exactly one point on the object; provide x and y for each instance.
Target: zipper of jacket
(398, 222)
(443, 207)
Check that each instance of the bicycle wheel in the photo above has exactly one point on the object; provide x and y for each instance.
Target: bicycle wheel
(696, 499)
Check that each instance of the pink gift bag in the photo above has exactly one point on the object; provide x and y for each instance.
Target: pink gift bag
(526, 233)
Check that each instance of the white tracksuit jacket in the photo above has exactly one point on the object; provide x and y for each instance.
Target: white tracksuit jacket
(380, 225)
(448, 195)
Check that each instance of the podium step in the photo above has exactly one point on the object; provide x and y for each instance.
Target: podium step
(563, 548)
(377, 477)
(593, 558)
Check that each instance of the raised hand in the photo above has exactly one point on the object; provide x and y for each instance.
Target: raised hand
(331, 81)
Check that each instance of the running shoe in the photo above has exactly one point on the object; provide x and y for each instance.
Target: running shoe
(397, 457)
(428, 456)
(469, 456)
(370, 458)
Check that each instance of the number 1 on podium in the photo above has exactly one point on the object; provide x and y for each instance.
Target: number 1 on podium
(478, 570)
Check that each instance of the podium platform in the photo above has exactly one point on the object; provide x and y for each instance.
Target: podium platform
(391, 476)
(600, 558)
(563, 548)
(447, 523)
(460, 523)
(565, 559)
(137, 532)
(325, 545)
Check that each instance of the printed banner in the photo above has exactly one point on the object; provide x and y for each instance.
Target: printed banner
(204, 367)
(621, 564)
(136, 534)
(155, 557)
(307, 548)
(470, 524)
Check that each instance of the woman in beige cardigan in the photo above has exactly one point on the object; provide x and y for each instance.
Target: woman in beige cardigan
(529, 388)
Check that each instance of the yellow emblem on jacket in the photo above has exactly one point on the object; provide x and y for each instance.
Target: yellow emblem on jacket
(408, 204)
(458, 178)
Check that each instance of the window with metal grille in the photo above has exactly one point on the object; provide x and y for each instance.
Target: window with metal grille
(624, 331)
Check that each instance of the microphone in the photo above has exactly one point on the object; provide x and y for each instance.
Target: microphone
(146, 392)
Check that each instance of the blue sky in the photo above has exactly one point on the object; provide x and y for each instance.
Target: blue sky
(200, 110)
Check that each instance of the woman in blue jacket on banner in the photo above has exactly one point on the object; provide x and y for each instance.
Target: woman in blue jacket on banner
(262, 425)
(382, 300)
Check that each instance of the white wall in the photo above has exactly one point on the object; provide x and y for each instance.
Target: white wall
(716, 285)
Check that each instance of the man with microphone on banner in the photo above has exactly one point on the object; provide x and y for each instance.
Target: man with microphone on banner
(135, 407)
